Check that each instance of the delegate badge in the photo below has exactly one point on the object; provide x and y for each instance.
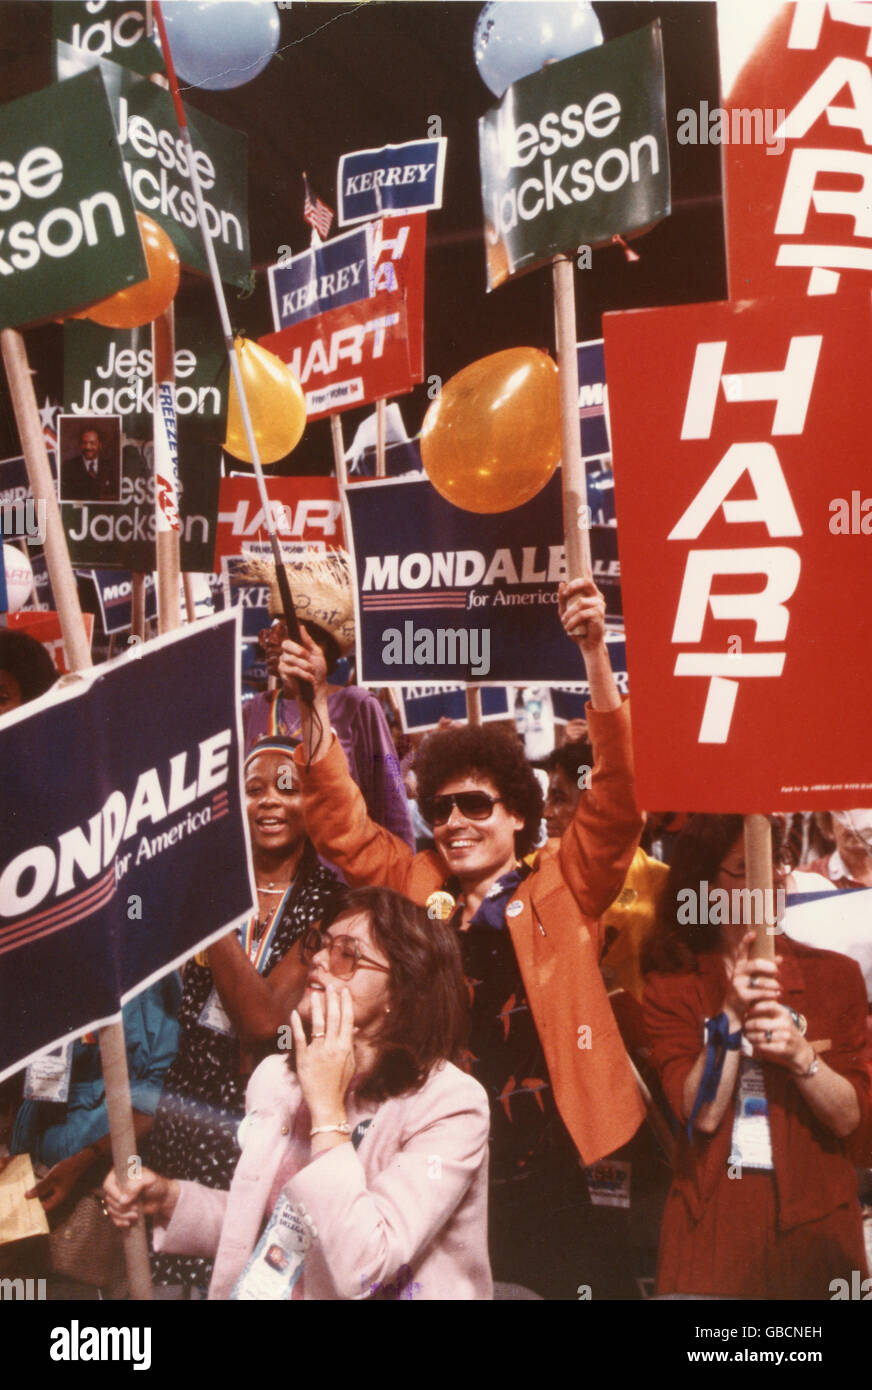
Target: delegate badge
(277, 1261)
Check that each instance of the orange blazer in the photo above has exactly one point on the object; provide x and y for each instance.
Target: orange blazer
(556, 936)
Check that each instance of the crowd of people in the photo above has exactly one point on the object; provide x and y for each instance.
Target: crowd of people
(464, 1007)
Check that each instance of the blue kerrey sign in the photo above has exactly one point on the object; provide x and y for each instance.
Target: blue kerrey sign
(325, 277)
(395, 179)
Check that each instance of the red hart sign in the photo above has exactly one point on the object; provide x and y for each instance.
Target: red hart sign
(740, 458)
(363, 352)
(797, 94)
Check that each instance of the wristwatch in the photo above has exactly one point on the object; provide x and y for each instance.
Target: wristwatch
(804, 1075)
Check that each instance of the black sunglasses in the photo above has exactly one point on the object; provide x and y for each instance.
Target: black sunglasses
(473, 805)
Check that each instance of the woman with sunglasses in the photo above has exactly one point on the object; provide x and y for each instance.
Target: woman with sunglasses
(364, 1149)
(237, 994)
(543, 1040)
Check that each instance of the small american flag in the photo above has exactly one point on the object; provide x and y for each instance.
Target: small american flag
(316, 213)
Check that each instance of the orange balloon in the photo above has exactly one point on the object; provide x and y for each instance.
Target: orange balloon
(275, 402)
(147, 300)
(491, 439)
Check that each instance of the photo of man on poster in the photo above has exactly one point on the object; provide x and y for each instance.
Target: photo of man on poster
(90, 458)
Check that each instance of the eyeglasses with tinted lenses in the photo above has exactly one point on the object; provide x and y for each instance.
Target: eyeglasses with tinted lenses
(472, 805)
(346, 956)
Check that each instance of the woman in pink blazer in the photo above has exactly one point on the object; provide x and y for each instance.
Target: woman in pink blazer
(363, 1171)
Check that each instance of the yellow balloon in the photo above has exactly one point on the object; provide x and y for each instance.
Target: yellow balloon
(275, 402)
(491, 439)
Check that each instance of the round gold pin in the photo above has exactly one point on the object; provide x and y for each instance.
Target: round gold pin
(440, 906)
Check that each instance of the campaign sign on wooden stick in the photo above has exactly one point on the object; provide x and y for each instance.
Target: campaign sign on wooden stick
(115, 868)
(306, 513)
(464, 596)
(68, 231)
(114, 591)
(797, 136)
(575, 154)
(156, 165)
(394, 179)
(324, 277)
(108, 375)
(370, 349)
(741, 458)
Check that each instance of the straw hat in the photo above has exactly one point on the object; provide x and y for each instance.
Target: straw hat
(320, 587)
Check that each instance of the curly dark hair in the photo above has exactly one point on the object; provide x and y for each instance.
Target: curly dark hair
(700, 849)
(28, 661)
(428, 1016)
(474, 750)
(569, 758)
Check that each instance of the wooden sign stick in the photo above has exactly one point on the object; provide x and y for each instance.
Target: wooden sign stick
(137, 605)
(113, 1053)
(576, 529)
(473, 705)
(381, 425)
(190, 603)
(758, 874)
(338, 451)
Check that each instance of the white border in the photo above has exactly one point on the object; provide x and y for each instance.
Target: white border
(440, 140)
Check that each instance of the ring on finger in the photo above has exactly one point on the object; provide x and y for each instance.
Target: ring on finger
(753, 982)
(768, 1035)
(318, 1035)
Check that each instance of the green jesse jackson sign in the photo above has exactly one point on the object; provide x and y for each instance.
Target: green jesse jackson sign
(68, 232)
(156, 166)
(575, 154)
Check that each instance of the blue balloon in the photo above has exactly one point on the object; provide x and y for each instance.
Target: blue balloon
(219, 44)
(516, 37)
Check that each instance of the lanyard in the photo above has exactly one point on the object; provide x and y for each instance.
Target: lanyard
(258, 951)
(275, 725)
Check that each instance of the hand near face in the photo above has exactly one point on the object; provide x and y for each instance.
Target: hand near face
(325, 1065)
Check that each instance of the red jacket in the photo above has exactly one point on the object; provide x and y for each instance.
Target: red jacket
(813, 1175)
(556, 936)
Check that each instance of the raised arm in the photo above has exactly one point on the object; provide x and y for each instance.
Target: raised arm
(597, 848)
(337, 820)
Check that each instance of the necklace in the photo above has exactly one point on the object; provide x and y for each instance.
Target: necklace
(270, 889)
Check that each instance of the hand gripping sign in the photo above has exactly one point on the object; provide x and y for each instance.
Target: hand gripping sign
(746, 657)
